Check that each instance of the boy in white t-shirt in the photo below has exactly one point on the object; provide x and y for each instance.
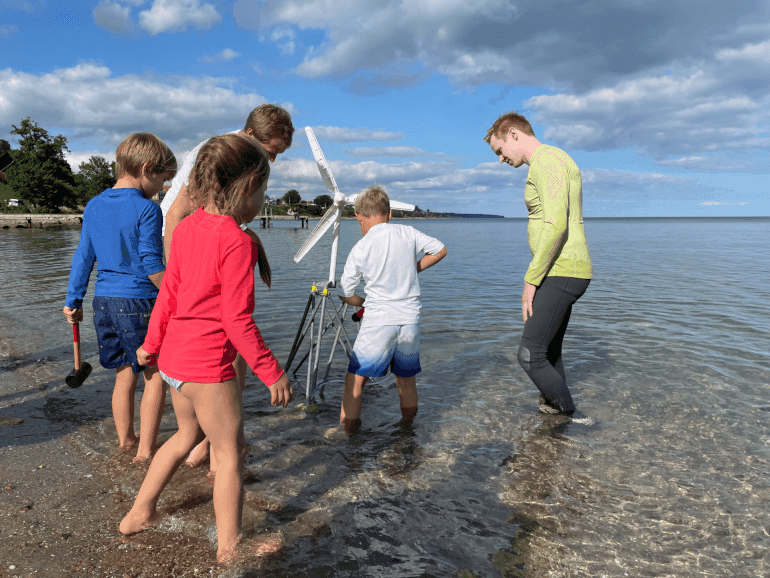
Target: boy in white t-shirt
(386, 258)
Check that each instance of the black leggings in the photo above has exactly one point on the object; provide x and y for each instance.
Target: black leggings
(540, 348)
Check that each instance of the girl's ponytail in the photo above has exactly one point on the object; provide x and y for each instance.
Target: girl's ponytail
(264, 265)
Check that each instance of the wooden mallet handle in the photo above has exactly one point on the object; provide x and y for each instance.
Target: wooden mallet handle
(76, 343)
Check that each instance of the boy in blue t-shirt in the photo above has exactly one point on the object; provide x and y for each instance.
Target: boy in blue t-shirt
(122, 231)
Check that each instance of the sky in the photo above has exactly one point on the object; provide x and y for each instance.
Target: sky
(663, 105)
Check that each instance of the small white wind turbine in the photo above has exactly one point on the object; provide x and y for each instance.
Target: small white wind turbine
(333, 215)
(331, 316)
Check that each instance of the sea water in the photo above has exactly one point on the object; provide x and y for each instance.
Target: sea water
(666, 473)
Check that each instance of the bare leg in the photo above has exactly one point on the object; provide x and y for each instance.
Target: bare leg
(219, 408)
(350, 413)
(150, 412)
(203, 449)
(407, 392)
(143, 513)
(123, 406)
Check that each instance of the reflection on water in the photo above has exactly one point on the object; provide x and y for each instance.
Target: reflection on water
(667, 353)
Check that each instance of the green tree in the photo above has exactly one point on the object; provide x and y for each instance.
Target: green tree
(4, 146)
(292, 197)
(323, 201)
(95, 175)
(41, 176)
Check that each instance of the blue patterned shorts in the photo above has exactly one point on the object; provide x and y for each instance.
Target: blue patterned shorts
(121, 325)
(380, 347)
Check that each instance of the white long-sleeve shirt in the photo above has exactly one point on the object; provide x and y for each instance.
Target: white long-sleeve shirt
(386, 257)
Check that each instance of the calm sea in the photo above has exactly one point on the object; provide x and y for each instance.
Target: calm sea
(668, 355)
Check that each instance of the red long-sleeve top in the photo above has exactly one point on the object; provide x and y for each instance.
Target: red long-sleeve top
(202, 316)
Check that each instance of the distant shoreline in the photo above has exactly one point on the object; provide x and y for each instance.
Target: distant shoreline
(68, 220)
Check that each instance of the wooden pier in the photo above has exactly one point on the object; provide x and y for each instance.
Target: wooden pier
(304, 221)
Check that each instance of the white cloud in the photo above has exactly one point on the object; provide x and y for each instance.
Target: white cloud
(723, 204)
(675, 118)
(174, 15)
(402, 152)
(113, 16)
(337, 134)
(75, 158)
(87, 102)
(284, 38)
(226, 55)
(751, 53)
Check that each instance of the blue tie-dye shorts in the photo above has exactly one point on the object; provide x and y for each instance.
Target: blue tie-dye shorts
(380, 347)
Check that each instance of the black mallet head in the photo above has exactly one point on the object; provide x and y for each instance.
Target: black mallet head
(78, 376)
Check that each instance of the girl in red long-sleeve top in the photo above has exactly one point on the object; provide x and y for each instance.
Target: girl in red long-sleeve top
(201, 319)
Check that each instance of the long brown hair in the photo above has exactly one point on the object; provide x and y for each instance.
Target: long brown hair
(227, 171)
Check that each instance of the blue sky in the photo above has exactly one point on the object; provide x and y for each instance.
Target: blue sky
(663, 105)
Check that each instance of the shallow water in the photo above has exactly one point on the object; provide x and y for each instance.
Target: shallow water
(667, 357)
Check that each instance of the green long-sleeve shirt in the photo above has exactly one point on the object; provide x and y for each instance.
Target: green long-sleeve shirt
(554, 199)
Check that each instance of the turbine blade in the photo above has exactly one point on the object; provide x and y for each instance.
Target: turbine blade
(398, 205)
(320, 159)
(326, 221)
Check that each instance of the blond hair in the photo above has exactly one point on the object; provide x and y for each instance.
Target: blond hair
(142, 148)
(507, 121)
(373, 201)
(227, 171)
(270, 121)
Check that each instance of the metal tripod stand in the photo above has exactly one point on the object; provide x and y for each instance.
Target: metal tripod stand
(319, 301)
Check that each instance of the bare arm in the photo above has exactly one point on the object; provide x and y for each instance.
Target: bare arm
(156, 278)
(430, 260)
(179, 209)
(354, 300)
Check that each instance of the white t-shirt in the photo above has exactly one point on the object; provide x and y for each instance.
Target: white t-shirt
(182, 177)
(386, 258)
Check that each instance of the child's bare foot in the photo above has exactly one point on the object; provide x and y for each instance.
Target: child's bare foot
(136, 522)
(336, 434)
(269, 544)
(129, 445)
(408, 414)
(137, 459)
(351, 425)
(199, 455)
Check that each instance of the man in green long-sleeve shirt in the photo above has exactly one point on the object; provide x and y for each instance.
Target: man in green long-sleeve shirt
(560, 270)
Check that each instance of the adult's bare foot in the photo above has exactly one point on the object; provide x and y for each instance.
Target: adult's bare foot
(135, 522)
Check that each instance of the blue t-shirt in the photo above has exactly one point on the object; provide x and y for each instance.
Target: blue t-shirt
(121, 230)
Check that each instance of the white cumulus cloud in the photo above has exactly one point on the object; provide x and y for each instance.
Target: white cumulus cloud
(87, 102)
(338, 134)
(113, 16)
(165, 15)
